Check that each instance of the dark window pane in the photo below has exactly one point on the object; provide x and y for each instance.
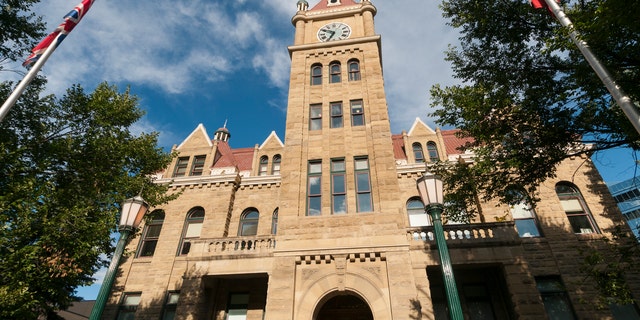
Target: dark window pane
(362, 184)
(148, 248)
(580, 224)
(338, 184)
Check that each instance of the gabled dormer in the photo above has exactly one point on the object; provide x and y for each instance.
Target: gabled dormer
(268, 156)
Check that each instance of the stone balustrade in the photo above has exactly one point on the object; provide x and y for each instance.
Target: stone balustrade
(463, 235)
(258, 245)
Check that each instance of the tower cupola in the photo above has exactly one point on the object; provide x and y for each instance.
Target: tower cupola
(303, 5)
(222, 134)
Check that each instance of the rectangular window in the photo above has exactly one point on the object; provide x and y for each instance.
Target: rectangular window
(315, 117)
(363, 185)
(338, 187)
(128, 306)
(357, 113)
(197, 167)
(554, 297)
(170, 305)
(181, 167)
(314, 188)
(237, 306)
(336, 115)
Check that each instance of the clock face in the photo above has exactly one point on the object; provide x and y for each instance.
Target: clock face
(334, 31)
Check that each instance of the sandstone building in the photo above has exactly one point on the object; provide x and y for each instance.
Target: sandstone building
(327, 223)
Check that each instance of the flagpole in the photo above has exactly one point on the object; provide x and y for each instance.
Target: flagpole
(622, 99)
(17, 92)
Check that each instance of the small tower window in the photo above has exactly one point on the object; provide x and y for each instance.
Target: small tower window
(275, 164)
(357, 113)
(315, 117)
(264, 162)
(417, 152)
(197, 167)
(334, 72)
(354, 70)
(314, 188)
(316, 74)
(363, 185)
(181, 167)
(336, 115)
(433, 151)
(338, 186)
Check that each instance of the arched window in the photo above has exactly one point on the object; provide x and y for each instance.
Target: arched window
(523, 215)
(417, 152)
(275, 164)
(249, 222)
(354, 69)
(151, 233)
(334, 72)
(316, 74)
(417, 216)
(432, 149)
(274, 222)
(262, 169)
(576, 208)
(192, 229)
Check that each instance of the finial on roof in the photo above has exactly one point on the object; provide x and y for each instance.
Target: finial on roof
(225, 123)
(303, 5)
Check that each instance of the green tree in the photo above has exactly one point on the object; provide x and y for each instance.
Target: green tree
(19, 29)
(65, 166)
(528, 98)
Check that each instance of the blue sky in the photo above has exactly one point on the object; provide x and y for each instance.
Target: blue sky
(211, 61)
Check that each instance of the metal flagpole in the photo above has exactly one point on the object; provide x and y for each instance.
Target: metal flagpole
(17, 92)
(623, 100)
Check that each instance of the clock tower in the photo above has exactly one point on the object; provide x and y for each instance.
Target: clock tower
(339, 191)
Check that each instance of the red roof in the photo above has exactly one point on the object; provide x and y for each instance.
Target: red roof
(398, 147)
(322, 5)
(244, 158)
(241, 158)
(452, 142)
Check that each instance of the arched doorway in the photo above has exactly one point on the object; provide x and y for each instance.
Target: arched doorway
(344, 307)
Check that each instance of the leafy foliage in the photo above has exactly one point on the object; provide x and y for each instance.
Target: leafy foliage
(19, 29)
(528, 98)
(609, 266)
(65, 166)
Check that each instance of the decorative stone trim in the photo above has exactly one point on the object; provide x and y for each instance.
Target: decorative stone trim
(316, 259)
(367, 257)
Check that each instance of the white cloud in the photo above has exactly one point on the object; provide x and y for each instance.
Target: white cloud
(179, 47)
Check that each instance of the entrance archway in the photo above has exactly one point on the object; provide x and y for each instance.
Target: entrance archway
(344, 307)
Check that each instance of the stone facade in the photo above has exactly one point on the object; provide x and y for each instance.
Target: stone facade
(363, 259)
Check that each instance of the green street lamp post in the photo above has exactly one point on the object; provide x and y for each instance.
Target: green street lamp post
(133, 210)
(430, 189)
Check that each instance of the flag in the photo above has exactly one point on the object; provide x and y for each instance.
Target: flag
(71, 19)
(539, 4)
